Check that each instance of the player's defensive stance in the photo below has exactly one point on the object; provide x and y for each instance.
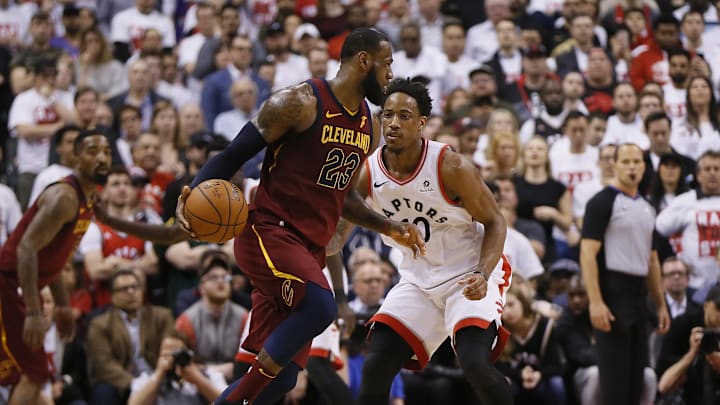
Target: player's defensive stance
(458, 288)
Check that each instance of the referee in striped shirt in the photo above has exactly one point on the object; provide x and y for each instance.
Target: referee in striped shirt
(619, 267)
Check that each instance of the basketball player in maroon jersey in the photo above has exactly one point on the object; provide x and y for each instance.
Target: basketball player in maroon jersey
(317, 135)
(34, 257)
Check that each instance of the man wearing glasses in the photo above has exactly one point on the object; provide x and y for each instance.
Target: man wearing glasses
(125, 340)
(214, 324)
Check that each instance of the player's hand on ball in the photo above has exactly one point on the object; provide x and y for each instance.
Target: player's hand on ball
(179, 233)
(65, 323)
(475, 286)
(180, 210)
(408, 235)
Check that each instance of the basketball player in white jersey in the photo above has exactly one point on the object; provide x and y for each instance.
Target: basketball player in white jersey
(458, 287)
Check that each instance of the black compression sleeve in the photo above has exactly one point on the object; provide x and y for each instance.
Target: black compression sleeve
(224, 165)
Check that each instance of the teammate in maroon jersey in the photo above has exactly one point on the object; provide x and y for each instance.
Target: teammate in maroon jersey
(318, 134)
(34, 257)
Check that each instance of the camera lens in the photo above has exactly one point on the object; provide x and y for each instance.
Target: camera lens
(182, 357)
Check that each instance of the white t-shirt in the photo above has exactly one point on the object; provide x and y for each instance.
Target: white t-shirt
(521, 255)
(675, 100)
(431, 63)
(573, 168)
(618, 132)
(229, 123)
(582, 193)
(698, 221)
(129, 25)
(511, 66)
(547, 7)
(481, 40)
(291, 72)
(14, 22)
(10, 212)
(689, 142)
(31, 108)
(457, 74)
(49, 175)
(189, 49)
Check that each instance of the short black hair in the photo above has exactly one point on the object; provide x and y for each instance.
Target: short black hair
(84, 90)
(452, 22)
(597, 114)
(656, 116)
(413, 89)
(86, 134)
(121, 273)
(665, 19)
(693, 10)
(362, 39)
(573, 115)
(228, 6)
(60, 133)
(678, 52)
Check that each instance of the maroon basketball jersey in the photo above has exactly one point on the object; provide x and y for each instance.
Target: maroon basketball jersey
(51, 258)
(305, 176)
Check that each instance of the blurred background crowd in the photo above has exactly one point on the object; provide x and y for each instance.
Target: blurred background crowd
(537, 93)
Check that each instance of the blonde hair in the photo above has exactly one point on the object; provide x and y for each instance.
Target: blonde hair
(494, 116)
(495, 140)
(523, 165)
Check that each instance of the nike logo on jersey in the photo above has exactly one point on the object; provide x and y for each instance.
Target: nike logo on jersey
(329, 115)
(376, 185)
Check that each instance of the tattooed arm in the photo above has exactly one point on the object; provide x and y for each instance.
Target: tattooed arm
(289, 110)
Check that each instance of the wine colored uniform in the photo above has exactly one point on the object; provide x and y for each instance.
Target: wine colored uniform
(15, 357)
(303, 183)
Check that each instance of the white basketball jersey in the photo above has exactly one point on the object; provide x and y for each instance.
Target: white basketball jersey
(451, 237)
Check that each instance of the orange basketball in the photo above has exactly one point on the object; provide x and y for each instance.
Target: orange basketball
(216, 211)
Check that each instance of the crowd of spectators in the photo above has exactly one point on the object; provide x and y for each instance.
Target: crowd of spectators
(537, 93)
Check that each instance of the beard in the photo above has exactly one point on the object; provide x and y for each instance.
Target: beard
(553, 109)
(678, 78)
(100, 178)
(372, 89)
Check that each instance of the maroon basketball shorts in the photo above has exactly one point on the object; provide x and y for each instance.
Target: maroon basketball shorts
(279, 263)
(15, 357)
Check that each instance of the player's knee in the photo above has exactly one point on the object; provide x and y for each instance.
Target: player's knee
(477, 366)
(473, 348)
(323, 304)
(377, 369)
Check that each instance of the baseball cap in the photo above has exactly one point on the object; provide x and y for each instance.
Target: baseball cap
(275, 28)
(564, 267)
(202, 139)
(306, 30)
(213, 258)
(535, 51)
(484, 68)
